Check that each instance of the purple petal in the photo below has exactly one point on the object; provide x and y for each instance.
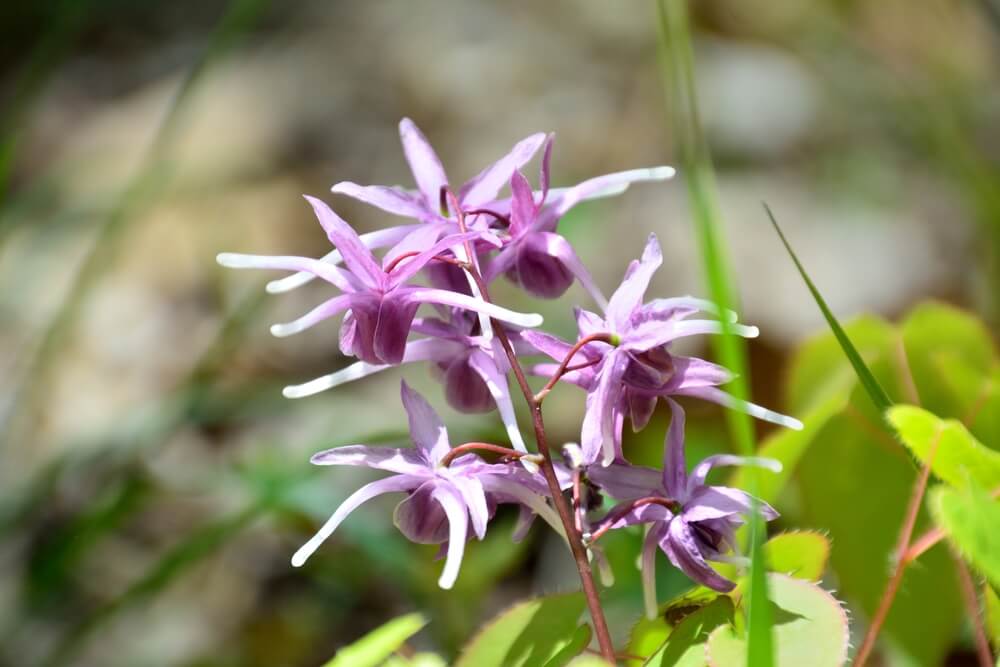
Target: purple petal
(391, 328)
(647, 568)
(484, 187)
(548, 344)
(695, 372)
(651, 333)
(501, 262)
(674, 465)
(716, 395)
(522, 204)
(471, 491)
(681, 547)
(426, 428)
(331, 274)
(625, 481)
(409, 267)
(464, 387)
(390, 199)
(543, 177)
(598, 434)
(583, 378)
(446, 298)
(537, 271)
(325, 310)
(700, 471)
(640, 407)
(420, 239)
(525, 519)
(495, 380)
(605, 186)
(718, 502)
(424, 163)
(402, 461)
(367, 492)
(420, 517)
(358, 259)
(458, 520)
(348, 335)
(589, 323)
(558, 247)
(629, 295)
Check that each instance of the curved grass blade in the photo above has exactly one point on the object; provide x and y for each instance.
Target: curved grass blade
(678, 64)
(868, 381)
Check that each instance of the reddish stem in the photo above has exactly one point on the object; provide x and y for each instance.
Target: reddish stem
(413, 253)
(479, 447)
(485, 211)
(573, 536)
(902, 546)
(602, 337)
(972, 607)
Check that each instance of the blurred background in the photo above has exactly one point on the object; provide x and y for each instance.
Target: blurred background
(153, 481)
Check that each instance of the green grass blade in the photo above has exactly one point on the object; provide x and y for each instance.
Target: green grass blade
(868, 381)
(678, 63)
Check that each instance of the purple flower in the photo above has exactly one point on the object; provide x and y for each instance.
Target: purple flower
(535, 257)
(691, 521)
(442, 500)
(472, 367)
(631, 366)
(381, 305)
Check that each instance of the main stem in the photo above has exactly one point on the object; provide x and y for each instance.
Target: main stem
(573, 536)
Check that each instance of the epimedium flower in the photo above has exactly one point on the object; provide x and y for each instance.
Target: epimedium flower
(691, 521)
(534, 256)
(447, 489)
(381, 305)
(623, 360)
(471, 366)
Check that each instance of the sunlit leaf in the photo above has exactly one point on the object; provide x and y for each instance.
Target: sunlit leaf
(800, 554)
(971, 520)
(958, 457)
(810, 628)
(686, 645)
(372, 649)
(529, 633)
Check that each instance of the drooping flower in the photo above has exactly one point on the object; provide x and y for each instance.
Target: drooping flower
(691, 521)
(625, 364)
(381, 304)
(534, 256)
(443, 497)
(472, 367)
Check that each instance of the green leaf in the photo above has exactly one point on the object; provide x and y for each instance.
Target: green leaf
(871, 385)
(372, 649)
(972, 521)
(529, 633)
(810, 628)
(573, 648)
(855, 481)
(686, 645)
(959, 458)
(800, 554)
(649, 635)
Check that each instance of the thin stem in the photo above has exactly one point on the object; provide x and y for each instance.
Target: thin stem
(573, 536)
(902, 547)
(485, 211)
(413, 253)
(603, 337)
(968, 589)
(577, 494)
(470, 447)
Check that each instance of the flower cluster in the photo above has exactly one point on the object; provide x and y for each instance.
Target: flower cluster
(454, 244)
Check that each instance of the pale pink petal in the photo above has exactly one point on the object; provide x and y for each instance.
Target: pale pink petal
(424, 163)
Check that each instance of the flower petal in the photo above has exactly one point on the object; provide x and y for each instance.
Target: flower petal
(681, 547)
(716, 395)
(522, 204)
(403, 461)
(471, 491)
(409, 268)
(426, 428)
(624, 481)
(558, 247)
(484, 187)
(358, 259)
(647, 570)
(496, 383)
(420, 518)
(718, 502)
(458, 521)
(314, 267)
(367, 492)
(446, 298)
(695, 372)
(598, 433)
(629, 295)
(700, 471)
(674, 465)
(390, 199)
(424, 162)
(324, 311)
(604, 186)
(377, 239)
(640, 407)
